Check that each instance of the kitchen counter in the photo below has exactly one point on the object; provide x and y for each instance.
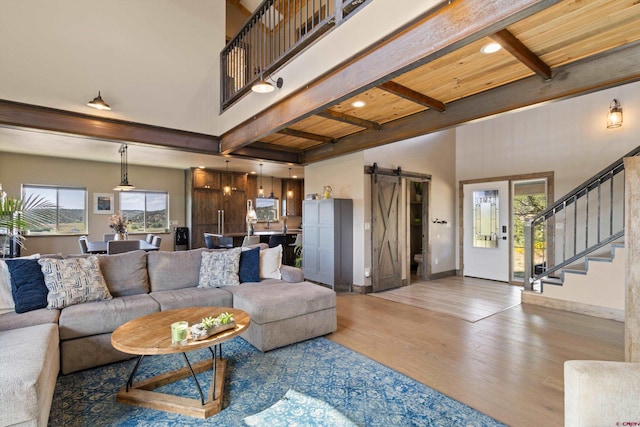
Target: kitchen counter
(275, 232)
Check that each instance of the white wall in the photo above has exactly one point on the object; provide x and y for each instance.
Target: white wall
(346, 177)
(96, 177)
(155, 61)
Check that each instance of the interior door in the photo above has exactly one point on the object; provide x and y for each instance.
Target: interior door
(486, 230)
(385, 199)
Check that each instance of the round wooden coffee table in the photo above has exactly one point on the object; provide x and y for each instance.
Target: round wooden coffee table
(151, 335)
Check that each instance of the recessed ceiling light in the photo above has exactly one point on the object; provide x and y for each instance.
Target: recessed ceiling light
(200, 167)
(492, 47)
(294, 176)
(252, 172)
(358, 104)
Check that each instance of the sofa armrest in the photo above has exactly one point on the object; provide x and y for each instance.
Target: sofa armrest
(598, 393)
(291, 274)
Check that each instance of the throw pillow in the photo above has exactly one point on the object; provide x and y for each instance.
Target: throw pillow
(27, 285)
(249, 270)
(219, 268)
(270, 263)
(6, 299)
(73, 281)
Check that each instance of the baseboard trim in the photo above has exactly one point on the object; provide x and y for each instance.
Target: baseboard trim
(443, 274)
(535, 298)
(362, 289)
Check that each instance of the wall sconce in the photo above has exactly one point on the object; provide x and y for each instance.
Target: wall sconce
(614, 118)
(98, 103)
(264, 86)
(226, 190)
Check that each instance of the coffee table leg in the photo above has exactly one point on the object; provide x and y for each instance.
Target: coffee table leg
(135, 368)
(213, 359)
(194, 378)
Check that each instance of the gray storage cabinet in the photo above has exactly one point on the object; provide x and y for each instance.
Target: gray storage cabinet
(327, 242)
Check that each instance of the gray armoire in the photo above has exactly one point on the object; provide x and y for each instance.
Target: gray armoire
(327, 242)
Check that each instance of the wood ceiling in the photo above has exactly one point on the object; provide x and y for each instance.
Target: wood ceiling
(551, 49)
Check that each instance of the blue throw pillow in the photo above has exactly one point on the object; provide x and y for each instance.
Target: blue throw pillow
(249, 270)
(27, 284)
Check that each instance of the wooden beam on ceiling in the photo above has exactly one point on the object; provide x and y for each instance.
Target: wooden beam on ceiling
(346, 118)
(68, 122)
(609, 69)
(431, 36)
(307, 135)
(270, 152)
(412, 95)
(516, 48)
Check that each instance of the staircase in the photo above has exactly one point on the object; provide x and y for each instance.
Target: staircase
(582, 235)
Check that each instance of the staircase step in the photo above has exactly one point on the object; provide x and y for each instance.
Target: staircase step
(577, 268)
(556, 281)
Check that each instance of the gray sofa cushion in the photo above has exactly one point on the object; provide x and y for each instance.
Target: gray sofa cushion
(126, 273)
(15, 320)
(192, 297)
(272, 300)
(30, 360)
(291, 274)
(101, 317)
(174, 270)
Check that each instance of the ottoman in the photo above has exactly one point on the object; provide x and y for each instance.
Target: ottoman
(285, 313)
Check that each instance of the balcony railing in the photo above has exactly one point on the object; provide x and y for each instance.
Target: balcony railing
(273, 35)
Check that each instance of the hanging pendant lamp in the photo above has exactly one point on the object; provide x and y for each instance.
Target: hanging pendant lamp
(98, 103)
(226, 190)
(124, 170)
(261, 190)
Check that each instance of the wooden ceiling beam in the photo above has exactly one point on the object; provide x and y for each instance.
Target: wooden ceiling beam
(431, 36)
(68, 122)
(617, 67)
(522, 53)
(412, 95)
(349, 119)
(269, 152)
(307, 135)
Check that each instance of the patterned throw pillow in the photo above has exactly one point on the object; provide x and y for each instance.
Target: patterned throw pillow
(219, 268)
(73, 281)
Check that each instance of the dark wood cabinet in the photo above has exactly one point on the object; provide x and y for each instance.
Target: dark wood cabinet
(206, 179)
(292, 197)
(204, 214)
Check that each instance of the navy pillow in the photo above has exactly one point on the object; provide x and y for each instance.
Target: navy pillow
(27, 284)
(249, 270)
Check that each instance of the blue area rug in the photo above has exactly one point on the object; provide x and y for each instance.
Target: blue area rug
(358, 389)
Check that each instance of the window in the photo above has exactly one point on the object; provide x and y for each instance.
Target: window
(147, 211)
(70, 205)
(266, 209)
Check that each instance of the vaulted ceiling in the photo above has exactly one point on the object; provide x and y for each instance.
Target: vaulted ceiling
(429, 75)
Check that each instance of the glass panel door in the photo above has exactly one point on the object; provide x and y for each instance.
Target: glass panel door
(529, 199)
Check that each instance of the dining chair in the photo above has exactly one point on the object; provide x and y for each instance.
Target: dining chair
(156, 241)
(82, 241)
(279, 239)
(120, 246)
(107, 237)
(250, 240)
(149, 238)
(298, 241)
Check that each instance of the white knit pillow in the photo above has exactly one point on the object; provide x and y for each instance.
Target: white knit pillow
(270, 263)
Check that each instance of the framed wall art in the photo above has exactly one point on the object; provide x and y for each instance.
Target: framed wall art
(103, 203)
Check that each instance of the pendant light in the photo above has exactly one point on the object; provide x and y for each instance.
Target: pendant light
(289, 190)
(124, 170)
(226, 190)
(272, 196)
(261, 190)
(98, 103)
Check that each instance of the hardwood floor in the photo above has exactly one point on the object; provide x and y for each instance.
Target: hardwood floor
(508, 365)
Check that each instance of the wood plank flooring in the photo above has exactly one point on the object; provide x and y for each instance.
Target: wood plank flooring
(467, 298)
(508, 365)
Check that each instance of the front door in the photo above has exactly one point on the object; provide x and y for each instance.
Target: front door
(486, 230)
(385, 196)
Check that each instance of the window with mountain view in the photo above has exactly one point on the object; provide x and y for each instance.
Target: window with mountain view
(70, 206)
(147, 211)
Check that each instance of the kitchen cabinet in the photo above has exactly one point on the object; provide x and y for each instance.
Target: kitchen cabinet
(292, 197)
(212, 211)
(327, 242)
(206, 179)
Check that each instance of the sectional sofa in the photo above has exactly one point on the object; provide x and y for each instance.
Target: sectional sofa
(39, 344)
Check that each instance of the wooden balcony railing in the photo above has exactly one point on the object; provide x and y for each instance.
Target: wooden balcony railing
(273, 35)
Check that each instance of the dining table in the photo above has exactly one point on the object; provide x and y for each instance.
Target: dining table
(100, 247)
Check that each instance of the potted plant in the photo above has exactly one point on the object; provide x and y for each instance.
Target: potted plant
(212, 325)
(18, 216)
(418, 188)
(119, 226)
